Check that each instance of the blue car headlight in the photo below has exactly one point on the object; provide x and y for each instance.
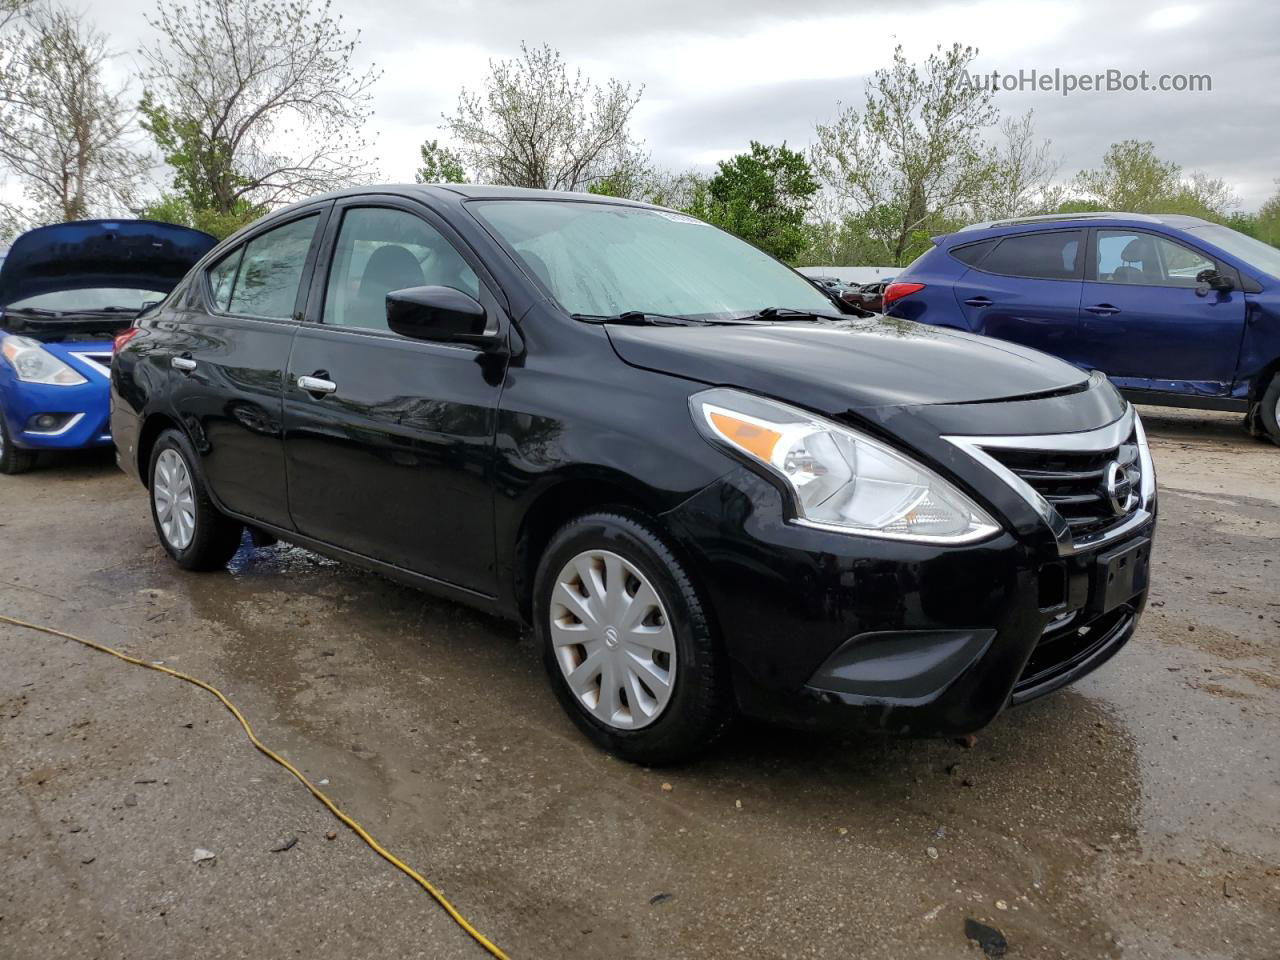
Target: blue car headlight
(34, 364)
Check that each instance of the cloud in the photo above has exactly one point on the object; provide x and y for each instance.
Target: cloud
(719, 73)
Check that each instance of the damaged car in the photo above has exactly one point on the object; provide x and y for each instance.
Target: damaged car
(66, 290)
(708, 488)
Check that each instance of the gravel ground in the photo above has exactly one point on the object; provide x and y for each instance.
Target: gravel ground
(1134, 815)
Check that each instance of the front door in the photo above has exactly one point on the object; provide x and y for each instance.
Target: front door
(392, 457)
(1151, 325)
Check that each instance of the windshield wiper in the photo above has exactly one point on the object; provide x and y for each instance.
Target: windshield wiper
(639, 318)
(789, 313)
(33, 312)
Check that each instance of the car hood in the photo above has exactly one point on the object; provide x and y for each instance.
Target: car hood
(141, 254)
(848, 365)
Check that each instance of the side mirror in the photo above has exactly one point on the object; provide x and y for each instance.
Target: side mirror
(1209, 279)
(439, 314)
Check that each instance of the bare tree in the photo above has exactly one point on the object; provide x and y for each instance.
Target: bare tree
(65, 134)
(1022, 174)
(254, 102)
(534, 125)
(914, 152)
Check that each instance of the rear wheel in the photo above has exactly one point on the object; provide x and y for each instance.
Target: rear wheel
(1269, 410)
(13, 460)
(190, 527)
(627, 642)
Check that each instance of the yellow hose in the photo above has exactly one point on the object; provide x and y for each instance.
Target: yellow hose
(359, 831)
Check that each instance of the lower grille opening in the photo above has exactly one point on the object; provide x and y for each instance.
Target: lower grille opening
(1062, 646)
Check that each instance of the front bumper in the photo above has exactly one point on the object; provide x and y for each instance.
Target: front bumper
(839, 632)
(81, 410)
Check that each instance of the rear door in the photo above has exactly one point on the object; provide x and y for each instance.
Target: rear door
(395, 461)
(1027, 289)
(227, 360)
(1150, 325)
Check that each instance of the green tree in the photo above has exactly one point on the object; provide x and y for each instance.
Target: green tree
(1133, 179)
(665, 188)
(253, 102)
(1267, 224)
(439, 164)
(914, 151)
(175, 208)
(762, 196)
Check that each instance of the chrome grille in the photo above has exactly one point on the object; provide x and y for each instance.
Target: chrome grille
(1093, 491)
(1090, 486)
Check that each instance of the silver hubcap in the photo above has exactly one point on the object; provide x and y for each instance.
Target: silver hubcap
(613, 639)
(174, 499)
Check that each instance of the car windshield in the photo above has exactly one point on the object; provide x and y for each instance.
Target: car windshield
(602, 259)
(89, 299)
(1257, 254)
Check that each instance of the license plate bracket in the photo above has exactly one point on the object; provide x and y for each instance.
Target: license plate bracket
(1119, 575)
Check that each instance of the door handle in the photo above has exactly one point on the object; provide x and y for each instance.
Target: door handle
(1103, 309)
(979, 301)
(314, 385)
(185, 364)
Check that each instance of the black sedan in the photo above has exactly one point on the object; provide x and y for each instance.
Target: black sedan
(707, 489)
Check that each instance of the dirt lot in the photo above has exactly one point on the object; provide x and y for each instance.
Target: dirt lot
(1135, 815)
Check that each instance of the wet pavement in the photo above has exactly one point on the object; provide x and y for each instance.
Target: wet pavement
(1136, 814)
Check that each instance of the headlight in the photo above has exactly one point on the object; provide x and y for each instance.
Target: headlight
(842, 480)
(34, 364)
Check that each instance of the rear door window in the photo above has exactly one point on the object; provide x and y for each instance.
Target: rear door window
(1044, 256)
(271, 270)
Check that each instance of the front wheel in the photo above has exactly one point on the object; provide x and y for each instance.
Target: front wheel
(1269, 409)
(627, 642)
(13, 459)
(191, 529)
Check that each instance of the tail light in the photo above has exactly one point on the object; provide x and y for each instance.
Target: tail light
(896, 291)
(124, 337)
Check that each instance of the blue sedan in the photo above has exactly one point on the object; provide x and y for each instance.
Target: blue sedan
(65, 291)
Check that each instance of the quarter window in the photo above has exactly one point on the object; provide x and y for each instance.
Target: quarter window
(222, 277)
(380, 250)
(972, 253)
(1047, 256)
(271, 270)
(1127, 256)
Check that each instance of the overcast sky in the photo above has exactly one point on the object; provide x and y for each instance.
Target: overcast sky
(718, 73)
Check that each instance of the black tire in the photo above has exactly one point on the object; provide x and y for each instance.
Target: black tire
(699, 709)
(216, 537)
(12, 459)
(1267, 410)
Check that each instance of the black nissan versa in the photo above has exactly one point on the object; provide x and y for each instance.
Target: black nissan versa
(707, 488)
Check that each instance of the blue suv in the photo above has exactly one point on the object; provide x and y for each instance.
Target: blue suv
(1174, 309)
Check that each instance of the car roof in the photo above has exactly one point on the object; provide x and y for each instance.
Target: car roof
(466, 191)
(1085, 219)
